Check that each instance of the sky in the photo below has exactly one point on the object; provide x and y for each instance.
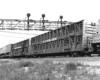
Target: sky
(72, 10)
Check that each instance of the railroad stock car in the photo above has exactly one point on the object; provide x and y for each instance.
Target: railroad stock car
(20, 49)
(72, 40)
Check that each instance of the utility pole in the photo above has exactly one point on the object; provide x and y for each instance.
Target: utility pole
(28, 15)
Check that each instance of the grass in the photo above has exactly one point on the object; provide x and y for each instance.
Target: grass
(25, 64)
(45, 71)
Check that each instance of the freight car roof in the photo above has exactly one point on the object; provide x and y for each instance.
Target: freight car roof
(5, 49)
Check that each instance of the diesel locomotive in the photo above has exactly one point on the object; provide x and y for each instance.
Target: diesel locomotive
(76, 39)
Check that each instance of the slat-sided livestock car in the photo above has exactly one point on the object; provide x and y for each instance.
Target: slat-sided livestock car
(20, 49)
(6, 51)
(74, 39)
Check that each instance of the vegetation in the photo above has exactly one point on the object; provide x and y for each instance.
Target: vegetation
(25, 64)
(47, 70)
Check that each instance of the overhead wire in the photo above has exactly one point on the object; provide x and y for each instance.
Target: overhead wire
(18, 33)
(12, 36)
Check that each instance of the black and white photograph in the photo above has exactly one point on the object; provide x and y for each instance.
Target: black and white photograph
(49, 40)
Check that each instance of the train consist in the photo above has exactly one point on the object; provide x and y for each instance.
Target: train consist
(76, 39)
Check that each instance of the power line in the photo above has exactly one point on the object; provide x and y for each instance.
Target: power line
(18, 33)
(13, 36)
